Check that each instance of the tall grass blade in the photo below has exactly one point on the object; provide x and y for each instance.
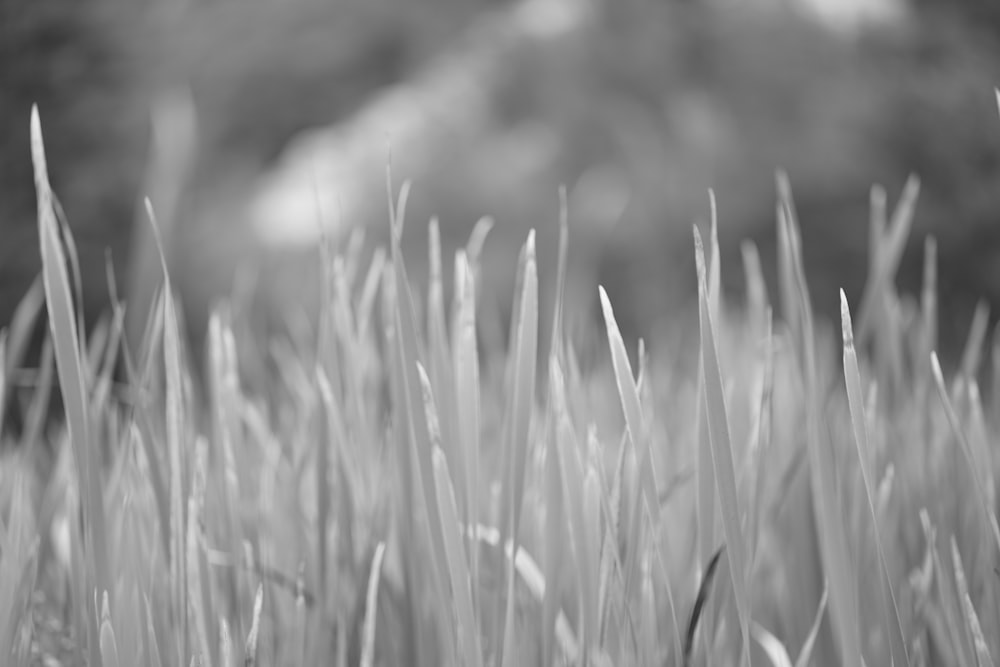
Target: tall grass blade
(859, 421)
(467, 400)
(835, 558)
(63, 328)
(522, 403)
(722, 454)
(176, 433)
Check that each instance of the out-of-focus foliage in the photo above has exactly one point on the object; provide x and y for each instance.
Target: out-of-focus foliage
(660, 101)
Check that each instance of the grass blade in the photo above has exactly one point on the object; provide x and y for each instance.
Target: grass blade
(63, 328)
(470, 651)
(704, 590)
(371, 608)
(722, 454)
(518, 423)
(852, 375)
(805, 655)
(963, 442)
(983, 657)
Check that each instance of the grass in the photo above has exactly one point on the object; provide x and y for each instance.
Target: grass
(374, 494)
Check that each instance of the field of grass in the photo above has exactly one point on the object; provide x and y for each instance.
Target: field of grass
(378, 492)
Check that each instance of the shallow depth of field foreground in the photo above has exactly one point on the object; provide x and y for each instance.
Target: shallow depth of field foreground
(377, 492)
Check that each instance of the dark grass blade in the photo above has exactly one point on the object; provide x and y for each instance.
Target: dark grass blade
(704, 589)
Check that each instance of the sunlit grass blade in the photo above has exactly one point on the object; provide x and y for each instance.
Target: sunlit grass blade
(63, 328)
(253, 637)
(470, 651)
(371, 608)
(771, 645)
(859, 421)
(628, 394)
(417, 438)
(518, 421)
(465, 365)
(722, 454)
(440, 366)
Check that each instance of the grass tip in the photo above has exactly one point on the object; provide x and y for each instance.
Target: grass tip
(847, 329)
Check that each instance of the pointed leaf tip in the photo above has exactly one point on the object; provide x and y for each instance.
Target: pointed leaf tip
(609, 315)
(847, 329)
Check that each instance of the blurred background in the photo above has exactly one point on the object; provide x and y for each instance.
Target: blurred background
(259, 127)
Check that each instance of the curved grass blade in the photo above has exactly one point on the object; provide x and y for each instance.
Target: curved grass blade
(704, 590)
(771, 645)
(805, 655)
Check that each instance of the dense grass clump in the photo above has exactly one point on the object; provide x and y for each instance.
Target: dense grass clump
(374, 490)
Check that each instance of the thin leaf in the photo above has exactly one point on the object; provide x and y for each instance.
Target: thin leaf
(470, 651)
(371, 608)
(722, 455)
(852, 375)
(704, 590)
(63, 328)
